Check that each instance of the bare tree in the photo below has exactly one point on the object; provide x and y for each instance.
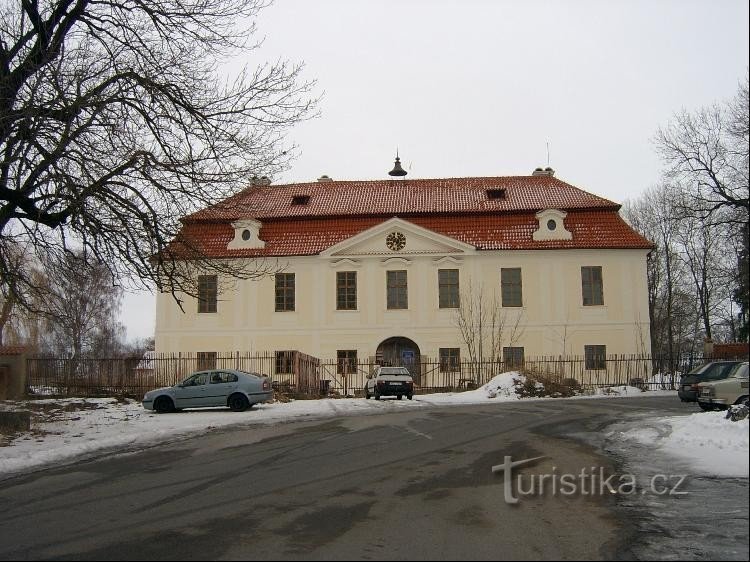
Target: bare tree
(708, 152)
(114, 124)
(81, 308)
(12, 318)
(485, 326)
(701, 251)
(691, 271)
(655, 216)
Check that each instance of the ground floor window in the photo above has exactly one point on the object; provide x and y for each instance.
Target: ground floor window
(596, 357)
(513, 357)
(284, 362)
(206, 360)
(450, 359)
(347, 361)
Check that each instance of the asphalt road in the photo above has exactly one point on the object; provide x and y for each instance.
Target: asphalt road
(401, 485)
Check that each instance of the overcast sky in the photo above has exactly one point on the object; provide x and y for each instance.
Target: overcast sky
(478, 88)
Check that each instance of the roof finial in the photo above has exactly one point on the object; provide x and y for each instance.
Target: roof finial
(397, 169)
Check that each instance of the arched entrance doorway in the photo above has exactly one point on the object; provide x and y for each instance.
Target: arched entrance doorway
(400, 352)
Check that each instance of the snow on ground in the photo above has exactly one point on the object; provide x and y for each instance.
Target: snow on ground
(66, 429)
(707, 442)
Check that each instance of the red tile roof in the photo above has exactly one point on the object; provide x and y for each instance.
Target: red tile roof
(398, 197)
(459, 208)
(6, 350)
(298, 237)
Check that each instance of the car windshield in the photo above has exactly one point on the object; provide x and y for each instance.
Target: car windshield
(717, 371)
(401, 371)
(740, 371)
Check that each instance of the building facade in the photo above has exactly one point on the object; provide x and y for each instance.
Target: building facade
(400, 269)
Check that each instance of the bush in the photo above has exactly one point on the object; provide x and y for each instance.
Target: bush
(536, 385)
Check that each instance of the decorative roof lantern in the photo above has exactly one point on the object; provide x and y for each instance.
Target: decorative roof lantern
(397, 170)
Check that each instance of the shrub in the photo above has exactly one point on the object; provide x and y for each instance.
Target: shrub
(537, 385)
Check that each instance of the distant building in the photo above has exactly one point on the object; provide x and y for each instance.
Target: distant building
(378, 269)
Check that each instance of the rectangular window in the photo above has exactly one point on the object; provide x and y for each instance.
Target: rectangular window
(448, 287)
(513, 357)
(398, 292)
(207, 293)
(510, 283)
(284, 362)
(450, 359)
(284, 292)
(346, 290)
(206, 360)
(596, 357)
(347, 361)
(592, 286)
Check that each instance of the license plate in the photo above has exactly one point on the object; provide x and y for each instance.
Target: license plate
(396, 383)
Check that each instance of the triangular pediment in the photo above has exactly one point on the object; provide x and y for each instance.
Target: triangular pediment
(398, 237)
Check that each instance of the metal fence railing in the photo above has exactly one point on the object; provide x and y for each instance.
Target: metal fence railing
(134, 376)
(302, 375)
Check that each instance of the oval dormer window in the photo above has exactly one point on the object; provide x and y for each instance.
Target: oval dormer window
(246, 235)
(551, 224)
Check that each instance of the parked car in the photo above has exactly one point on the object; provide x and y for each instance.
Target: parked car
(218, 387)
(713, 371)
(389, 381)
(723, 393)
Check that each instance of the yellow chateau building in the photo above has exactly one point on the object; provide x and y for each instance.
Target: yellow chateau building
(385, 269)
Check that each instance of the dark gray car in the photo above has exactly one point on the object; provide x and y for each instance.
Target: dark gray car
(714, 371)
(237, 390)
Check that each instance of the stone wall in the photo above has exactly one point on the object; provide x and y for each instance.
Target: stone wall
(12, 372)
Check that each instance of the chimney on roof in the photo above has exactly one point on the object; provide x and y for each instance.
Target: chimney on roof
(324, 178)
(265, 180)
(543, 172)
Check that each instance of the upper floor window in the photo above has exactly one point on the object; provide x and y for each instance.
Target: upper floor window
(207, 293)
(448, 287)
(398, 292)
(346, 290)
(510, 283)
(592, 286)
(284, 292)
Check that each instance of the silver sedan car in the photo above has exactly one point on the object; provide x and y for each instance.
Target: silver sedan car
(218, 387)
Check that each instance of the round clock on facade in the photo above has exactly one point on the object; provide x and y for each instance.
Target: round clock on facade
(395, 241)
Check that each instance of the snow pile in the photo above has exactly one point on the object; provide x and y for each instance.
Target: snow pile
(711, 444)
(664, 381)
(501, 387)
(618, 391)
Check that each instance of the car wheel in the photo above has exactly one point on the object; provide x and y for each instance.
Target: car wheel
(163, 405)
(400, 396)
(377, 395)
(706, 407)
(238, 403)
(743, 401)
(409, 396)
(367, 394)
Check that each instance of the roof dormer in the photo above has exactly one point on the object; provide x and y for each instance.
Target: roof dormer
(551, 226)
(246, 235)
